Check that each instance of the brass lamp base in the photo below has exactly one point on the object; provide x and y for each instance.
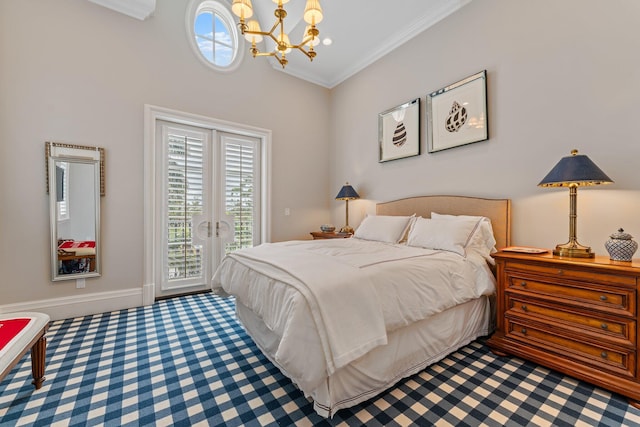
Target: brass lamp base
(346, 229)
(573, 250)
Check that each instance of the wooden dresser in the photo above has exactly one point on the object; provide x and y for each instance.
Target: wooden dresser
(577, 316)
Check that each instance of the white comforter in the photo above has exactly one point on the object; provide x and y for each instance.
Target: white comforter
(342, 296)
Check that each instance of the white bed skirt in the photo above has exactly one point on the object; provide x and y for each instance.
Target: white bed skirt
(409, 350)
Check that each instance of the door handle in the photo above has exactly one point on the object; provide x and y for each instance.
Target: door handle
(225, 229)
(201, 229)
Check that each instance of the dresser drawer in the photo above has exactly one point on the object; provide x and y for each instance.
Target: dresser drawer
(610, 299)
(578, 316)
(616, 360)
(589, 275)
(615, 330)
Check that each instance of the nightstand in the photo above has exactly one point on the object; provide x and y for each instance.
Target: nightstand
(578, 316)
(332, 235)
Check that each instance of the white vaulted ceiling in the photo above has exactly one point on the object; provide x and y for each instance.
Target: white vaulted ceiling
(362, 31)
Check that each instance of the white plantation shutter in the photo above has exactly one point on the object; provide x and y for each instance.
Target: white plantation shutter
(185, 207)
(241, 189)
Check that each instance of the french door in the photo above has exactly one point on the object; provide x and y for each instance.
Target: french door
(207, 203)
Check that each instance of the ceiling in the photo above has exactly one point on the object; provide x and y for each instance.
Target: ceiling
(362, 31)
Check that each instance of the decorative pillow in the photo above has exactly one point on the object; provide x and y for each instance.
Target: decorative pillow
(442, 234)
(482, 241)
(383, 228)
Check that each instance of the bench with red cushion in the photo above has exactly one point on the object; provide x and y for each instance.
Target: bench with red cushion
(19, 333)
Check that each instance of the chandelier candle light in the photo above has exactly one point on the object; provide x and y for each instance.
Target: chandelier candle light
(253, 34)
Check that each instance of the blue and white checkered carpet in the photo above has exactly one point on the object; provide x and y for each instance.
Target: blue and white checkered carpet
(187, 361)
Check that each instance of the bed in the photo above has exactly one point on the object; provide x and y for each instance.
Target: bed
(345, 319)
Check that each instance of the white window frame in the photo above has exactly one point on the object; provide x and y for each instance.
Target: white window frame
(222, 9)
(154, 113)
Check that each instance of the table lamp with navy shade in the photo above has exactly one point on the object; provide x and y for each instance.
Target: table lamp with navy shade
(346, 193)
(574, 171)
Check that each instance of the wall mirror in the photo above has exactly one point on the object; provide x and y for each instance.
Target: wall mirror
(75, 181)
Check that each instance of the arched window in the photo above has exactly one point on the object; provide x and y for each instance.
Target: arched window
(213, 34)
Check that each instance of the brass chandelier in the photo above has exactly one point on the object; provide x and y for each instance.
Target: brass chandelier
(253, 34)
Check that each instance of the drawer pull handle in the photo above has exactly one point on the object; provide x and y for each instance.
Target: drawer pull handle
(524, 307)
(523, 284)
(524, 331)
(560, 272)
(604, 326)
(604, 354)
(603, 297)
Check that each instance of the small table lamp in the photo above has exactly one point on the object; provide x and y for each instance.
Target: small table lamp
(574, 171)
(347, 193)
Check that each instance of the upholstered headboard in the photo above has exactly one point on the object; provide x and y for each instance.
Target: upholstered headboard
(497, 210)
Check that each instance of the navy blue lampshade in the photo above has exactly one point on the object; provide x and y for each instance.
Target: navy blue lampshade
(347, 193)
(575, 170)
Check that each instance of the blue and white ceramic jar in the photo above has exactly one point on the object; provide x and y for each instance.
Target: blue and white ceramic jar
(620, 246)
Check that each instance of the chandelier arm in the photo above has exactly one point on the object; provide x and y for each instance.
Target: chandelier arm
(266, 54)
(278, 22)
(274, 38)
(304, 41)
(309, 54)
(274, 54)
(300, 46)
(256, 33)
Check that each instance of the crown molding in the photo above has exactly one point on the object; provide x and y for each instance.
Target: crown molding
(139, 9)
(426, 21)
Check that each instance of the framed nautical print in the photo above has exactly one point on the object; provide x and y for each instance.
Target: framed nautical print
(399, 131)
(457, 114)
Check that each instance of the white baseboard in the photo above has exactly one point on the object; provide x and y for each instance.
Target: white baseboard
(81, 305)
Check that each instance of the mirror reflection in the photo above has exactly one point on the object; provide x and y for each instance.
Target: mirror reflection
(74, 195)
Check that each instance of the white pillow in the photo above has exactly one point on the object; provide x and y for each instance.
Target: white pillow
(383, 228)
(442, 234)
(482, 241)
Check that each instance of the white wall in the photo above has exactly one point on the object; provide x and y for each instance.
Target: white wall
(72, 71)
(561, 75)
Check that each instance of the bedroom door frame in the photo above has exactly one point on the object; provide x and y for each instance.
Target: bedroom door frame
(153, 115)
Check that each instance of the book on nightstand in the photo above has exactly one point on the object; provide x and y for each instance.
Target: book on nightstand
(525, 249)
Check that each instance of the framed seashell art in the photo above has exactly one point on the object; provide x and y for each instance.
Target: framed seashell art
(399, 131)
(457, 114)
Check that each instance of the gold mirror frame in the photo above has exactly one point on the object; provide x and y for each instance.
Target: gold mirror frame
(56, 149)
